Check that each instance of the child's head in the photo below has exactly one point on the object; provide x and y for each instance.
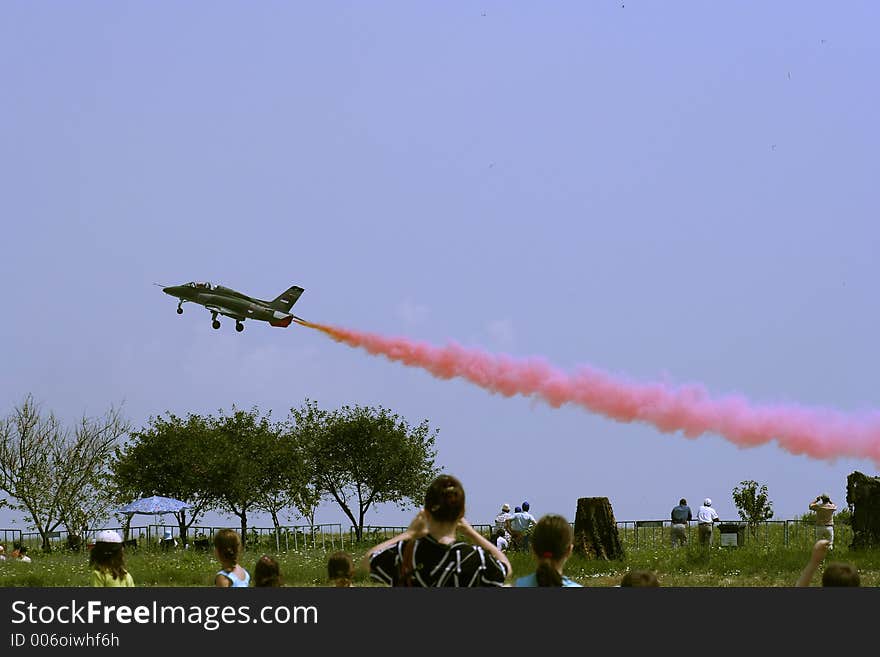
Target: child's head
(838, 573)
(640, 578)
(267, 572)
(107, 554)
(227, 545)
(552, 543)
(444, 499)
(340, 569)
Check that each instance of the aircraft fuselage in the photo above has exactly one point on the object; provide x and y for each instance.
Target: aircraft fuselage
(222, 300)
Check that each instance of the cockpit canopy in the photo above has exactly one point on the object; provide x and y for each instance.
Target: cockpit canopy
(203, 286)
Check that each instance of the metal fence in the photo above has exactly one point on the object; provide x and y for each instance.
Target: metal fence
(634, 535)
(327, 536)
(64, 538)
(10, 535)
(379, 533)
(650, 534)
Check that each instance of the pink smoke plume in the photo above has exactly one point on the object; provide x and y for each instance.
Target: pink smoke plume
(815, 432)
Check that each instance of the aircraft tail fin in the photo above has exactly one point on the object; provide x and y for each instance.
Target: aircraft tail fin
(284, 301)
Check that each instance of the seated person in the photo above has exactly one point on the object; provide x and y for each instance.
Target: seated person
(168, 541)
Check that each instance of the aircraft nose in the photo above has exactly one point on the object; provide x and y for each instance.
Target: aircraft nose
(169, 290)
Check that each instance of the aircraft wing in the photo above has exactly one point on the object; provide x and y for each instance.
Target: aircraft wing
(224, 311)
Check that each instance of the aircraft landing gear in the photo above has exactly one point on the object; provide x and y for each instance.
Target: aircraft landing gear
(239, 327)
(216, 322)
(179, 310)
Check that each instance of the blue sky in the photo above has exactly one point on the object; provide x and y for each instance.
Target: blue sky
(679, 191)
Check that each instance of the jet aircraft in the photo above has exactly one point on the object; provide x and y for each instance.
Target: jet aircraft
(226, 301)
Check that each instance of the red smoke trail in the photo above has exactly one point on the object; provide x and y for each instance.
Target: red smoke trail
(818, 433)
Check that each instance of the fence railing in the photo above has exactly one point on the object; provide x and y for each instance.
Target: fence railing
(634, 535)
(379, 533)
(327, 536)
(649, 534)
(63, 537)
(10, 535)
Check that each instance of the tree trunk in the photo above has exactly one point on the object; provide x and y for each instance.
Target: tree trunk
(182, 526)
(243, 516)
(277, 526)
(595, 530)
(863, 497)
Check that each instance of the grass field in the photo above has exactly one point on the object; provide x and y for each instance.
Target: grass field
(751, 565)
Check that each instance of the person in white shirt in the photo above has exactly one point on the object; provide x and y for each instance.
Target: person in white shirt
(520, 525)
(500, 528)
(706, 517)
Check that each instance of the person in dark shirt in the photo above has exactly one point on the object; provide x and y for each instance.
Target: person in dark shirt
(429, 554)
(681, 515)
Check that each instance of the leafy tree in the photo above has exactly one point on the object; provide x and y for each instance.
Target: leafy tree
(361, 456)
(89, 508)
(47, 469)
(167, 457)
(753, 504)
(249, 464)
(285, 479)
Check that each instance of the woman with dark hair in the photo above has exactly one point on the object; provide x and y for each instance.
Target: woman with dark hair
(552, 542)
(429, 553)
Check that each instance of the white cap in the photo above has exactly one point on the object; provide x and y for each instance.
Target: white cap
(108, 536)
(707, 502)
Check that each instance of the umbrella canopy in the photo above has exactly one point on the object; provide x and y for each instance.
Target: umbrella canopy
(153, 505)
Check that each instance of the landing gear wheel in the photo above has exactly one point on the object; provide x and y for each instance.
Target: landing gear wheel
(239, 327)
(179, 310)
(215, 324)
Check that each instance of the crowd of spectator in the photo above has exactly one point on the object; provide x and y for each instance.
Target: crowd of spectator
(430, 552)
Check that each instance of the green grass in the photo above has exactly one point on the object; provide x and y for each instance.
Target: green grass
(752, 565)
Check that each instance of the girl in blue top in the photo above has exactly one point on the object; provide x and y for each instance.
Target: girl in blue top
(552, 543)
(227, 548)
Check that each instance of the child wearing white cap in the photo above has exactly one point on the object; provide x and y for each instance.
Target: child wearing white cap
(107, 561)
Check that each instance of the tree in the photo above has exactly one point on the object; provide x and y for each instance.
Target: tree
(753, 504)
(248, 464)
(285, 478)
(167, 457)
(89, 508)
(361, 456)
(47, 469)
